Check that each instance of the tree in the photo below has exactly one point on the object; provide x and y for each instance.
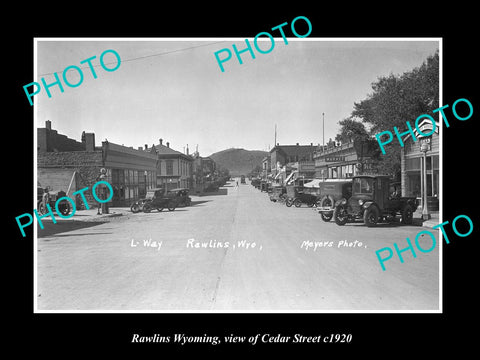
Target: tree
(395, 100)
(398, 99)
(351, 130)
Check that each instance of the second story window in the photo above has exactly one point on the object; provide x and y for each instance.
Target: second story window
(169, 164)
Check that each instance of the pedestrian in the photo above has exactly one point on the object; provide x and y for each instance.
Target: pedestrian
(237, 183)
(102, 187)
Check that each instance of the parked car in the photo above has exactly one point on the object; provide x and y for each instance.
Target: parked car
(155, 199)
(50, 197)
(181, 194)
(278, 193)
(374, 200)
(297, 196)
(332, 192)
(256, 183)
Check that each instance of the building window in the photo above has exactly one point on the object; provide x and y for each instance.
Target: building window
(169, 164)
(412, 164)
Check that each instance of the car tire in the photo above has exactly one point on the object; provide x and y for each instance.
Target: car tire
(171, 207)
(297, 203)
(340, 215)
(370, 216)
(407, 215)
(326, 216)
(147, 208)
(40, 207)
(135, 208)
(288, 202)
(65, 208)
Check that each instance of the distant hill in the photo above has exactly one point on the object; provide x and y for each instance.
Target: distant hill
(239, 161)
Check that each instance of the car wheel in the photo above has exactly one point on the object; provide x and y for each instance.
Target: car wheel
(135, 208)
(40, 207)
(370, 216)
(288, 202)
(65, 208)
(297, 203)
(407, 215)
(326, 216)
(147, 208)
(171, 207)
(340, 215)
(160, 209)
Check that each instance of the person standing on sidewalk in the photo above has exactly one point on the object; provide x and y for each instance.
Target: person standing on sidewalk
(103, 190)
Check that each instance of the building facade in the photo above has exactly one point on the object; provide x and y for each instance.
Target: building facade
(174, 168)
(130, 172)
(286, 159)
(412, 164)
(69, 165)
(344, 160)
(204, 171)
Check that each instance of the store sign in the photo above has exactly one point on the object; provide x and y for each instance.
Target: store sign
(335, 159)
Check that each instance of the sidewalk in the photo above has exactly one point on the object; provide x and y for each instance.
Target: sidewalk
(91, 214)
(417, 219)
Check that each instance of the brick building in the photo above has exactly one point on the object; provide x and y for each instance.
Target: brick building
(69, 165)
(288, 159)
(345, 160)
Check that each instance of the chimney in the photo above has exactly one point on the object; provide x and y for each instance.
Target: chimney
(161, 141)
(48, 125)
(89, 142)
(140, 148)
(168, 144)
(297, 144)
(187, 150)
(146, 146)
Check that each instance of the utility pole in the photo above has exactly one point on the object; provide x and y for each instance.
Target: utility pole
(323, 131)
(275, 143)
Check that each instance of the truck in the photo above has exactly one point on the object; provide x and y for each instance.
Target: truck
(375, 198)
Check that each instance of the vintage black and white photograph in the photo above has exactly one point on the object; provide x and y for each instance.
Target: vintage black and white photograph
(238, 175)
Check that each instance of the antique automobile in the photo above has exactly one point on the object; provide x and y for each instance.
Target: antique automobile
(296, 195)
(278, 193)
(50, 197)
(255, 183)
(181, 194)
(155, 199)
(263, 186)
(374, 200)
(331, 193)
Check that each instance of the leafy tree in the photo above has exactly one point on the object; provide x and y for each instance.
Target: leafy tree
(351, 130)
(395, 100)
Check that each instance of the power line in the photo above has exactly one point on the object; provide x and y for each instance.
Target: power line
(143, 57)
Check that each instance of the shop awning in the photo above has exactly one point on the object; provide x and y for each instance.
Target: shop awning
(313, 183)
(291, 177)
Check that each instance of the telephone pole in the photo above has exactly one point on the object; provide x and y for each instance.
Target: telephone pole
(323, 131)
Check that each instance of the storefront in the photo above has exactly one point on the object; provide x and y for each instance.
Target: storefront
(413, 158)
(130, 172)
(344, 161)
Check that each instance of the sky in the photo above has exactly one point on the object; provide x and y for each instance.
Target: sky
(173, 89)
